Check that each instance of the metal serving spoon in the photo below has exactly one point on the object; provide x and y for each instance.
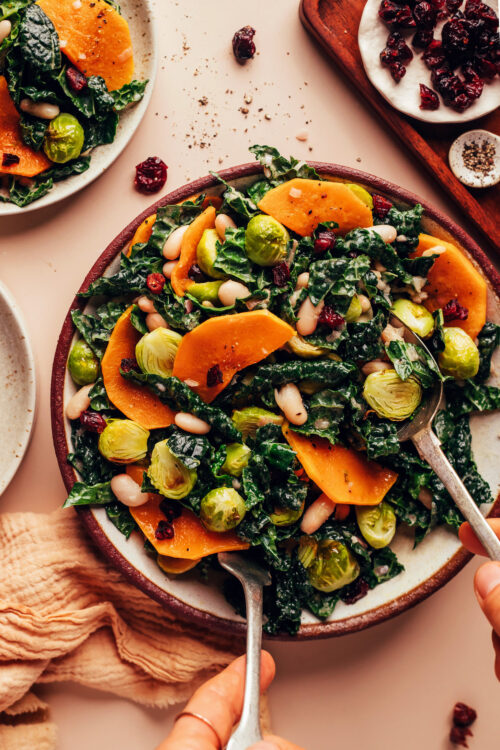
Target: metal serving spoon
(253, 578)
(419, 431)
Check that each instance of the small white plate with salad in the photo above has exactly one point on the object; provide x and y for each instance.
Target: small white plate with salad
(76, 77)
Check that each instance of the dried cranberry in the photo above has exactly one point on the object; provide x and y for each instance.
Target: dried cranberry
(381, 206)
(453, 310)
(389, 56)
(243, 44)
(330, 318)
(150, 175)
(481, 12)
(434, 56)
(396, 15)
(453, 5)
(461, 102)
(92, 421)
(324, 241)
(281, 274)
(425, 16)
(474, 87)
(355, 591)
(164, 530)
(463, 715)
(397, 71)
(155, 282)
(457, 38)
(170, 510)
(423, 38)
(458, 735)
(396, 43)
(129, 364)
(214, 376)
(76, 80)
(195, 273)
(486, 68)
(9, 159)
(428, 98)
(440, 8)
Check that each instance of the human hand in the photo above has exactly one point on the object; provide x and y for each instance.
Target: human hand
(220, 701)
(486, 583)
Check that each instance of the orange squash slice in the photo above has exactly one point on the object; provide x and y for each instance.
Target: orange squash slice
(30, 162)
(180, 279)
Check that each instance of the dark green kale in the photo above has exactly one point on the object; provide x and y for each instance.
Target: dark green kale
(86, 494)
(188, 448)
(381, 438)
(33, 131)
(325, 412)
(232, 258)
(410, 359)
(488, 341)
(99, 398)
(130, 93)
(38, 40)
(471, 397)
(22, 195)
(235, 202)
(169, 218)
(338, 278)
(278, 169)
(86, 459)
(96, 327)
(361, 341)
(131, 277)
(370, 243)
(121, 517)
(323, 371)
(408, 224)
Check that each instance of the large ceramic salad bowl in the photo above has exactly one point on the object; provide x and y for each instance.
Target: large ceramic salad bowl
(428, 566)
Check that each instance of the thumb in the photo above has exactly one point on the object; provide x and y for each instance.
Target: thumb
(487, 587)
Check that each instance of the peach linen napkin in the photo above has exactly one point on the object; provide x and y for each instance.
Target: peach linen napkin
(66, 614)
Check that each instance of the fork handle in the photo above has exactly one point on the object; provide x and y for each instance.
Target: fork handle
(248, 731)
(429, 448)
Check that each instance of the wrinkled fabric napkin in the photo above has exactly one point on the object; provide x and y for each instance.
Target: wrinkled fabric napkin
(66, 614)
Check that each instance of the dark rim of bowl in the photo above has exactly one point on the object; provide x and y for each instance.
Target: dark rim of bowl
(185, 611)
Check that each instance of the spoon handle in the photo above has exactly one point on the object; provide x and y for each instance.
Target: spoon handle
(248, 731)
(429, 449)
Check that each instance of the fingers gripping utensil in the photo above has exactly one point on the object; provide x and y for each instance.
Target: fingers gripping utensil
(253, 578)
(419, 431)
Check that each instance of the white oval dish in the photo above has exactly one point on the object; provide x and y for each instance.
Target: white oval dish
(468, 176)
(17, 387)
(405, 95)
(139, 14)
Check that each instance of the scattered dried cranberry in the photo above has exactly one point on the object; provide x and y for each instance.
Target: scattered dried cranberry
(281, 274)
(9, 159)
(381, 206)
(129, 364)
(453, 5)
(458, 735)
(356, 591)
(324, 241)
(478, 11)
(396, 43)
(214, 376)
(463, 715)
(396, 15)
(155, 282)
(92, 421)
(164, 530)
(428, 98)
(330, 318)
(453, 310)
(243, 44)
(457, 38)
(486, 68)
(440, 8)
(434, 56)
(425, 15)
(150, 175)
(473, 83)
(423, 38)
(170, 510)
(397, 70)
(461, 102)
(76, 79)
(195, 273)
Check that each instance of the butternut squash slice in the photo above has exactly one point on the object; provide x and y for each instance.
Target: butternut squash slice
(343, 474)
(142, 233)
(95, 37)
(135, 401)
(454, 277)
(230, 342)
(303, 204)
(30, 162)
(191, 540)
(180, 279)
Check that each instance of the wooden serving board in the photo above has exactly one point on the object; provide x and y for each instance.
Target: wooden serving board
(334, 23)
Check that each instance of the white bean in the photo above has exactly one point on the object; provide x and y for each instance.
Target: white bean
(231, 290)
(307, 319)
(155, 320)
(79, 403)
(364, 302)
(172, 247)
(390, 333)
(387, 232)
(146, 305)
(425, 497)
(222, 222)
(190, 423)
(316, 514)
(436, 250)
(290, 402)
(5, 29)
(44, 110)
(302, 280)
(127, 491)
(376, 365)
(168, 268)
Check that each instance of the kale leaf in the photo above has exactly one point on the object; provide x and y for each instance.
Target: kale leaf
(96, 327)
(488, 340)
(232, 258)
(121, 517)
(38, 39)
(86, 494)
(410, 359)
(129, 93)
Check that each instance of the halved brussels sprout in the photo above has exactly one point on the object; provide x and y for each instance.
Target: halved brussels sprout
(362, 194)
(206, 254)
(237, 457)
(354, 310)
(123, 441)
(286, 516)
(208, 291)
(83, 365)
(266, 240)
(168, 474)
(460, 356)
(390, 397)
(155, 351)
(304, 349)
(175, 566)
(416, 317)
(63, 138)
(222, 509)
(329, 564)
(377, 523)
(248, 420)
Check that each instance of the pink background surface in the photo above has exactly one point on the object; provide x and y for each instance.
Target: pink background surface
(389, 687)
